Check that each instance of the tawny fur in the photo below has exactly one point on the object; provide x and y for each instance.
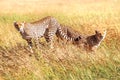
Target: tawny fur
(46, 27)
(90, 43)
(49, 26)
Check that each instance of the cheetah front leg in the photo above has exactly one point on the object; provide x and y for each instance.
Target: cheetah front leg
(49, 35)
(29, 41)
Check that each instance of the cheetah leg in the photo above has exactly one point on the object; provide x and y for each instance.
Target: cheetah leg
(30, 45)
(51, 42)
(37, 42)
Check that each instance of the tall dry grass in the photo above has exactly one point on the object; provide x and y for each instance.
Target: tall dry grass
(65, 62)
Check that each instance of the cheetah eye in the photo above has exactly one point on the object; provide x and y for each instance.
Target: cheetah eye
(100, 34)
(78, 38)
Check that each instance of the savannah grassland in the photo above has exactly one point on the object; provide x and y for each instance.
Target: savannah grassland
(64, 62)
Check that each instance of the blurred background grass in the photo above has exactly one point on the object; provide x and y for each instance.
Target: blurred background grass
(64, 62)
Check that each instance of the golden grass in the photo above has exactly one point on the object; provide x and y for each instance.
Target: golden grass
(64, 62)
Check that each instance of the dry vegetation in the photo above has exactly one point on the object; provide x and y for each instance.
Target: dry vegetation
(65, 62)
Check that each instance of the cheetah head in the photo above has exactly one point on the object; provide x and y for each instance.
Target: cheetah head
(99, 36)
(19, 26)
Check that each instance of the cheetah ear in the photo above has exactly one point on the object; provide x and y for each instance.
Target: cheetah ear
(105, 32)
(23, 23)
(96, 31)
